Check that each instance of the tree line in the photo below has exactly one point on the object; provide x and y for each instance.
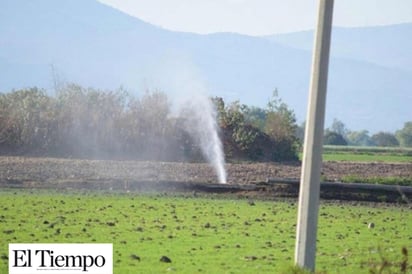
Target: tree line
(339, 134)
(83, 122)
(114, 124)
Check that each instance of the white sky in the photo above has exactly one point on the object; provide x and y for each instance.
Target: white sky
(259, 17)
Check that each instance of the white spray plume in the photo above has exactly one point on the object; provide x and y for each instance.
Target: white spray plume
(200, 116)
(181, 79)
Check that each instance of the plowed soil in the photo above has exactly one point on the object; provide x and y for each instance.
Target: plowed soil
(244, 179)
(43, 170)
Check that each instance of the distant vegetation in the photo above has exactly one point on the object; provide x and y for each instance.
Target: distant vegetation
(80, 122)
(90, 123)
(338, 134)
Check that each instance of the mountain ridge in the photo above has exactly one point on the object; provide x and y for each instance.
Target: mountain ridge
(358, 43)
(92, 44)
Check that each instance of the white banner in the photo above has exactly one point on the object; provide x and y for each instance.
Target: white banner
(60, 258)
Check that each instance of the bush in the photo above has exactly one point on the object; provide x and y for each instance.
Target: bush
(404, 135)
(385, 139)
(333, 138)
(243, 141)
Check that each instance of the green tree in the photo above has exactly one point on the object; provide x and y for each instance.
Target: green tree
(334, 138)
(242, 134)
(244, 138)
(404, 135)
(280, 120)
(255, 116)
(281, 126)
(385, 139)
(339, 127)
(359, 138)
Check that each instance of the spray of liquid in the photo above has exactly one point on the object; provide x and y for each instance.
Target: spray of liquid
(201, 122)
(180, 77)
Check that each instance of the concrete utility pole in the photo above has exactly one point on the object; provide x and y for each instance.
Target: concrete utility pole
(305, 251)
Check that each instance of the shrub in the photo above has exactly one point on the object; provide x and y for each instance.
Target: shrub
(385, 139)
(243, 141)
(333, 138)
(27, 117)
(404, 135)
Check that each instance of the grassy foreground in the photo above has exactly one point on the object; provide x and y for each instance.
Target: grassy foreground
(206, 234)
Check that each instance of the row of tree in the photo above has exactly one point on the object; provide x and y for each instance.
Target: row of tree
(80, 122)
(338, 134)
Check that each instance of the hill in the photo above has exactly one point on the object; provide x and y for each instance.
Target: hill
(47, 42)
(387, 46)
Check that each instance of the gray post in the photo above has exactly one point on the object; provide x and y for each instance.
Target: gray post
(312, 154)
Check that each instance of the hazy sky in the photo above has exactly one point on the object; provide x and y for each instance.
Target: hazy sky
(257, 17)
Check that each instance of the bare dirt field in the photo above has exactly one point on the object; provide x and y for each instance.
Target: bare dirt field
(52, 169)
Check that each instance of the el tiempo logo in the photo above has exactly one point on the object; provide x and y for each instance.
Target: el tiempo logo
(60, 258)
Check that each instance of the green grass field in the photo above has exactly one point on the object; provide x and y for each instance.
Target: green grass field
(204, 234)
(366, 154)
